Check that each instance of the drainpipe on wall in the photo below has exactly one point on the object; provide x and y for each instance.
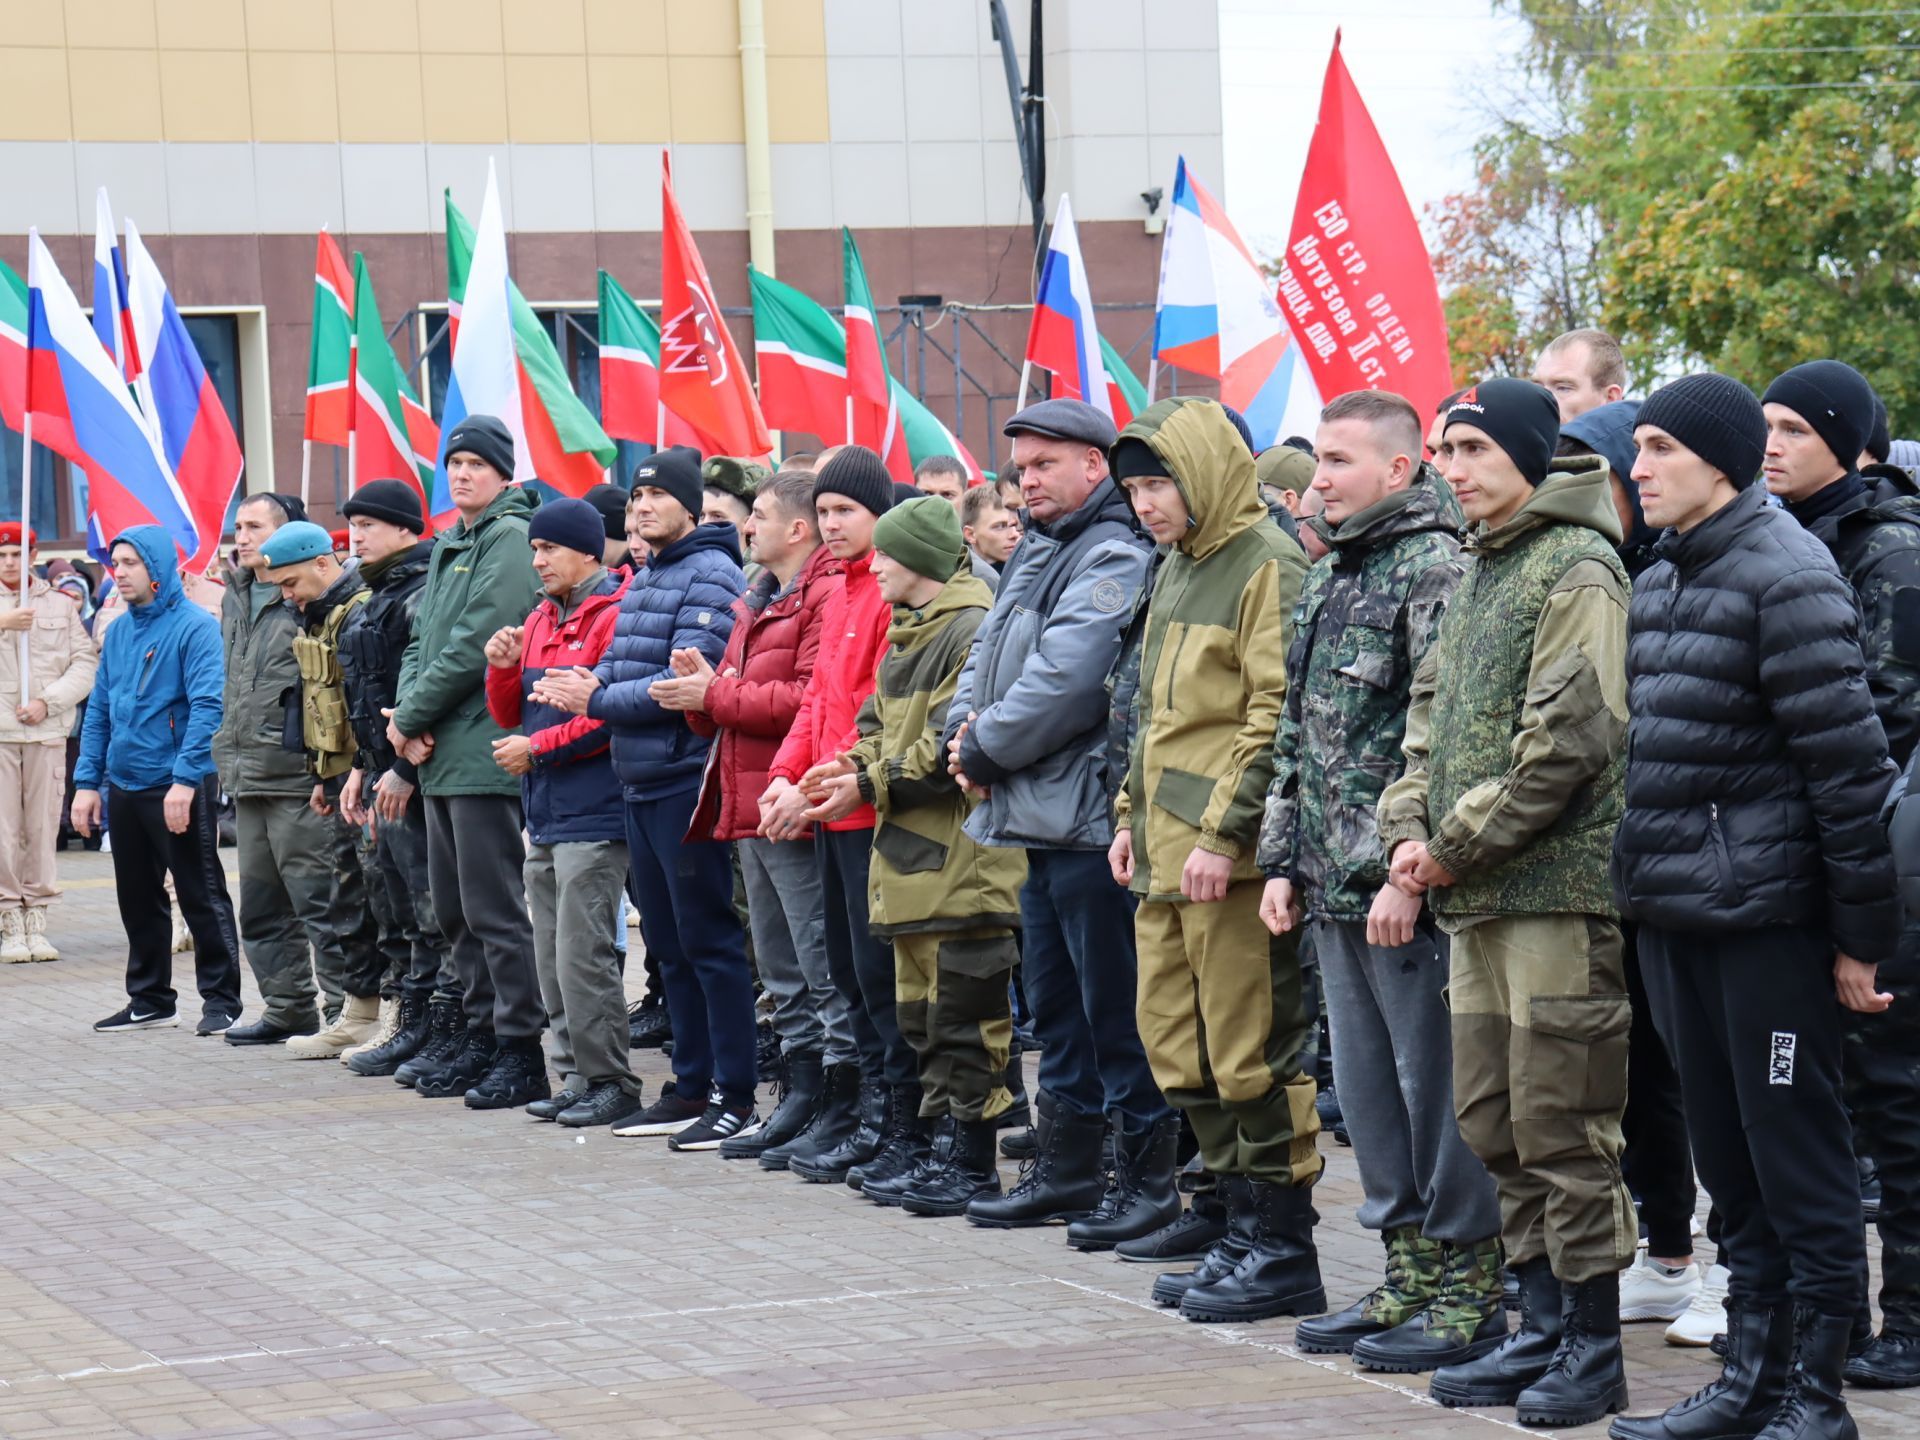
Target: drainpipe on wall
(753, 105)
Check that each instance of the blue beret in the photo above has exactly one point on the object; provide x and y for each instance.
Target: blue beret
(294, 542)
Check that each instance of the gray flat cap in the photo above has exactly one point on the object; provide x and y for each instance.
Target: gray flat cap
(1073, 420)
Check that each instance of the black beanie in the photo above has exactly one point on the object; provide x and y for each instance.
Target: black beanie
(1715, 417)
(1880, 443)
(393, 501)
(675, 470)
(486, 436)
(1522, 418)
(1132, 457)
(611, 502)
(1833, 398)
(572, 523)
(857, 473)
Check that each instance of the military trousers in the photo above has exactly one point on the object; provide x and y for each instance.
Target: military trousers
(950, 997)
(1882, 1071)
(1540, 1021)
(574, 890)
(402, 892)
(1220, 1014)
(285, 853)
(352, 916)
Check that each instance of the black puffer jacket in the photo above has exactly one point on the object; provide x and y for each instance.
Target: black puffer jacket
(1756, 767)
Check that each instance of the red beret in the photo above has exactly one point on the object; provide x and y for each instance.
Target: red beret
(10, 534)
(341, 539)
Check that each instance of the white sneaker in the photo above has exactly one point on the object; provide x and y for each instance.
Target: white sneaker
(1706, 1317)
(1652, 1292)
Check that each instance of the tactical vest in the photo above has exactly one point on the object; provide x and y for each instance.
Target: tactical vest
(1484, 655)
(326, 726)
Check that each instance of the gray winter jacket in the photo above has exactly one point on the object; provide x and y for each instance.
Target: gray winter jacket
(1037, 675)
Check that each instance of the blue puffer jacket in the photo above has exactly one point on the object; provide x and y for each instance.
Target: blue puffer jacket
(156, 696)
(681, 599)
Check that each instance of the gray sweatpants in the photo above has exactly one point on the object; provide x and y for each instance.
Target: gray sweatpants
(787, 910)
(1393, 1069)
(474, 858)
(576, 890)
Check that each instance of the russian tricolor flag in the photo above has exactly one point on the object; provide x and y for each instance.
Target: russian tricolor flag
(486, 372)
(1063, 338)
(111, 320)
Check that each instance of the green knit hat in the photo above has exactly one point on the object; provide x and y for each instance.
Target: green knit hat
(923, 535)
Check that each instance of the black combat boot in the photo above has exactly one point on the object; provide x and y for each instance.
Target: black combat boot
(553, 1104)
(1019, 1115)
(1185, 1240)
(829, 1166)
(1498, 1377)
(649, 1027)
(904, 1141)
(446, 1037)
(1065, 1181)
(1141, 1199)
(463, 1069)
(410, 1033)
(517, 1076)
(962, 1173)
(1890, 1362)
(1023, 1142)
(1223, 1255)
(833, 1120)
(1587, 1379)
(1279, 1274)
(802, 1081)
(1811, 1408)
(1752, 1380)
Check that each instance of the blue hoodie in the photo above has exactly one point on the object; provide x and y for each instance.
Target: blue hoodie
(156, 697)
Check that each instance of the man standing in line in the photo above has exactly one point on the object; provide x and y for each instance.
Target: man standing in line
(148, 734)
(991, 529)
(481, 579)
(1364, 623)
(1582, 370)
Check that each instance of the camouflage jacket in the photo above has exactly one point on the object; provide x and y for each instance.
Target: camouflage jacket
(1875, 538)
(1367, 614)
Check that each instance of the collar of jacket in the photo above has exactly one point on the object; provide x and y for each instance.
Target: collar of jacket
(965, 591)
(346, 584)
(1106, 501)
(1577, 491)
(1821, 512)
(604, 586)
(766, 591)
(397, 567)
(511, 501)
(715, 536)
(1426, 503)
(1715, 535)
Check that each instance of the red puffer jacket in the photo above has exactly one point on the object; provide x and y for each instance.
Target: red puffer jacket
(853, 637)
(756, 691)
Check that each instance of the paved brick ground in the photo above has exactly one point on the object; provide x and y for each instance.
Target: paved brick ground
(202, 1241)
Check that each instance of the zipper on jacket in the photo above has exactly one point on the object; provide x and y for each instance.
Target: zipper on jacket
(1722, 855)
(146, 669)
(1173, 666)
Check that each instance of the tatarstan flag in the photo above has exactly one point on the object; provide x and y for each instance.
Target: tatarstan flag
(630, 406)
(926, 435)
(874, 418)
(800, 354)
(330, 356)
(387, 438)
(1126, 396)
(13, 347)
(568, 449)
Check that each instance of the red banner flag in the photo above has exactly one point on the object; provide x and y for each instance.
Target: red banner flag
(702, 377)
(1357, 287)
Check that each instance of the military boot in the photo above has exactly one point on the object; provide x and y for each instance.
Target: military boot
(1279, 1274)
(833, 1120)
(517, 1076)
(1023, 1142)
(1498, 1377)
(1812, 1408)
(1223, 1255)
(1063, 1182)
(1462, 1319)
(410, 1030)
(1587, 1380)
(1890, 1362)
(446, 1034)
(463, 1069)
(829, 1166)
(1415, 1272)
(965, 1173)
(1183, 1241)
(1141, 1199)
(1752, 1380)
(904, 1142)
(1019, 1115)
(801, 1082)
(357, 1022)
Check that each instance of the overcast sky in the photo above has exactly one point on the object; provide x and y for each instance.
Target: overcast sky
(1411, 59)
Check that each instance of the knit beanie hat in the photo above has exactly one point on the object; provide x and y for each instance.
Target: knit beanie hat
(611, 502)
(572, 523)
(860, 475)
(393, 501)
(1522, 418)
(1835, 399)
(903, 492)
(1880, 442)
(675, 470)
(486, 436)
(923, 534)
(1717, 418)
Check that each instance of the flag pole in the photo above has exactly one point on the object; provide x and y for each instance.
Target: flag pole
(659, 423)
(26, 530)
(306, 469)
(1026, 369)
(353, 459)
(849, 439)
(1153, 374)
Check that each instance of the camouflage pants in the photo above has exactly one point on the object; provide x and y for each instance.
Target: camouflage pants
(1221, 1016)
(950, 997)
(1540, 1021)
(1882, 1060)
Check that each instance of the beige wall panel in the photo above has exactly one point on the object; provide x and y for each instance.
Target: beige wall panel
(288, 25)
(465, 97)
(543, 27)
(627, 97)
(202, 24)
(796, 27)
(109, 24)
(388, 25)
(380, 98)
(797, 99)
(705, 94)
(463, 27)
(33, 22)
(203, 95)
(626, 27)
(116, 94)
(294, 99)
(33, 100)
(703, 27)
(547, 99)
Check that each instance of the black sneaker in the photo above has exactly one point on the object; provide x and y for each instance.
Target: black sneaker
(722, 1120)
(668, 1115)
(137, 1017)
(215, 1022)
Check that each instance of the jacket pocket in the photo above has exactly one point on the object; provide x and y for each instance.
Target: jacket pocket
(1184, 795)
(908, 852)
(1573, 1057)
(1730, 892)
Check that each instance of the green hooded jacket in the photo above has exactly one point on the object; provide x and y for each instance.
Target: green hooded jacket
(927, 873)
(480, 577)
(1213, 658)
(250, 748)
(1516, 735)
